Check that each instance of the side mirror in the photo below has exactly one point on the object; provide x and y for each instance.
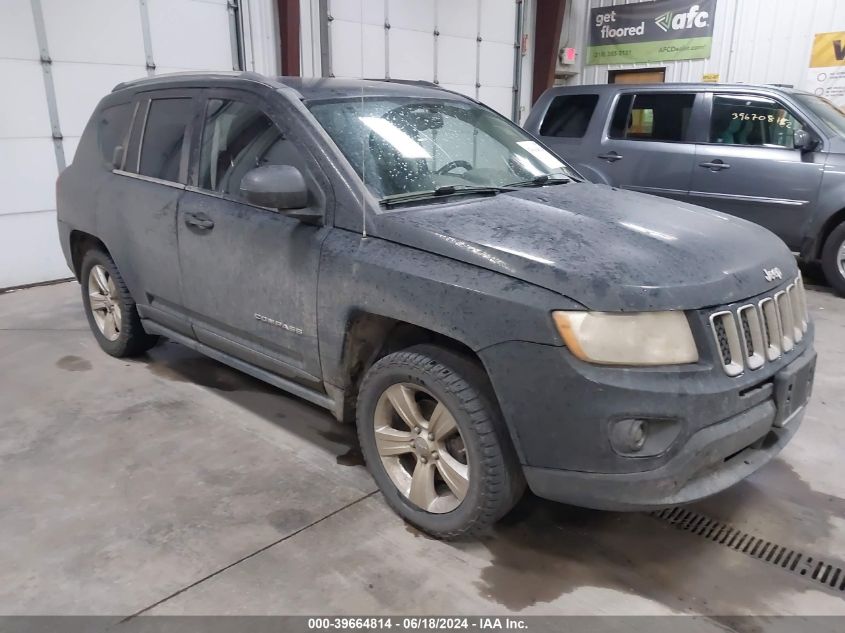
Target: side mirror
(276, 186)
(803, 140)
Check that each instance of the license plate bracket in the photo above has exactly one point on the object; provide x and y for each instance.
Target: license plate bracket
(793, 386)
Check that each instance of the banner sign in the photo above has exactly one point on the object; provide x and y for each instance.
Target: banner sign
(826, 76)
(662, 30)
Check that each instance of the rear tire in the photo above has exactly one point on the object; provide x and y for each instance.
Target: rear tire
(110, 309)
(833, 259)
(462, 450)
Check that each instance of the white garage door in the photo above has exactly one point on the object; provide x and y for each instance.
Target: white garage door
(464, 45)
(92, 46)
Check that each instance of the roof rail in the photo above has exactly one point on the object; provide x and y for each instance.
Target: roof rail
(407, 82)
(194, 74)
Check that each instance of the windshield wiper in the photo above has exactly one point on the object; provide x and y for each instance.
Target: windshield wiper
(541, 181)
(448, 190)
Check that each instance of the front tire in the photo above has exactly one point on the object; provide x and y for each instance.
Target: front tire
(110, 309)
(833, 259)
(435, 443)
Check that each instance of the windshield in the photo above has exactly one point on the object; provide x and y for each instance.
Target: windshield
(832, 115)
(406, 146)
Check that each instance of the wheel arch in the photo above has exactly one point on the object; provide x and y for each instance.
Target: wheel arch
(370, 337)
(828, 227)
(80, 243)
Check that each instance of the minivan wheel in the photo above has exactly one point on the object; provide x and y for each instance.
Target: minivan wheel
(833, 259)
(433, 439)
(109, 307)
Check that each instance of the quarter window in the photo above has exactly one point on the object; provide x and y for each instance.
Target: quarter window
(164, 135)
(752, 120)
(236, 138)
(112, 126)
(652, 117)
(569, 115)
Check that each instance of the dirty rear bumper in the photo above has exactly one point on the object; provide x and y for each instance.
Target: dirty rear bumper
(714, 459)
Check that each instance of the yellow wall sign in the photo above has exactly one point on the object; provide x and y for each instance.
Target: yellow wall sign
(710, 78)
(828, 50)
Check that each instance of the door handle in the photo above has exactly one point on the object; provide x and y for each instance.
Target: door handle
(199, 220)
(716, 165)
(611, 157)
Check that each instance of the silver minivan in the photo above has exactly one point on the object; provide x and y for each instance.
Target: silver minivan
(769, 154)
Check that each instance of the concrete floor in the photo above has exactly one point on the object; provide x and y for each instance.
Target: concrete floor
(172, 484)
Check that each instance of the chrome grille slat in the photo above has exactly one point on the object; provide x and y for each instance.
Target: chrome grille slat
(787, 329)
(752, 335)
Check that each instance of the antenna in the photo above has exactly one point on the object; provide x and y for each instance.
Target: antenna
(363, 140)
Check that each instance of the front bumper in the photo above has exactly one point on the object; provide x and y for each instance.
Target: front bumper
(730, 427)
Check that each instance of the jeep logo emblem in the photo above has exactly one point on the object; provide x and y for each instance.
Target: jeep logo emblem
(772, 273)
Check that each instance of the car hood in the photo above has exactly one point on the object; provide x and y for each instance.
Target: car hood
(607, 249)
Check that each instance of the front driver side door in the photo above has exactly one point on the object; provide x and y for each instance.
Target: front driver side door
(250, 273)
(750, 168)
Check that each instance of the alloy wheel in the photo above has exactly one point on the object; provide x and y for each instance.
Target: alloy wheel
(840, 259)
(421, 448)
(104, 302)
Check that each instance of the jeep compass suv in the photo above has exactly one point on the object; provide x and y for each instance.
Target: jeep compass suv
(418, 265)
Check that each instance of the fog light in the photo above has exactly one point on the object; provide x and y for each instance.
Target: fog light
(629, 436)
(643, 437)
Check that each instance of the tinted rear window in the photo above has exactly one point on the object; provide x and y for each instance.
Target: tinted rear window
(652, 117)
(112, 126)
(569, 115)
(164, 134)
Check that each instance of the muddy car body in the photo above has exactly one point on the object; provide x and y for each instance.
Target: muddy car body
(403, 255)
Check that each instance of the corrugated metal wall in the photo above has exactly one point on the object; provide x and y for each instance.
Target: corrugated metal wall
(754, 41)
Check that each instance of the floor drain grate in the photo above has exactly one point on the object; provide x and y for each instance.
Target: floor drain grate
(831, 575)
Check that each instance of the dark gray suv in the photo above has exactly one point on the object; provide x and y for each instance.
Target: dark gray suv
(415, 263)
(774, 156)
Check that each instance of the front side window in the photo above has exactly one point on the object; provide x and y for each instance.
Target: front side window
(752, 120)
(661, 116)
(569, 115)
(401, 145)
(236, 138)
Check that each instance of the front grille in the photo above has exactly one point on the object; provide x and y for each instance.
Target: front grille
(753, 334)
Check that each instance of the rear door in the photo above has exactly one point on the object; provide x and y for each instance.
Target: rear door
(648, 143)
(748, 166)
(250, 273)
(151, 179)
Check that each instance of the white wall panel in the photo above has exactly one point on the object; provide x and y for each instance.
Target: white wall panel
(456, 60)
(17, 31)
(71, 143)
(29, 243)
(346, 36)
(27, 176)
(496, 64)
(103, 31)
(498, 21)
(411, 54)
(500, 99)
(79, 87)
(458, 18)
(26, 114)
(366, 11)
(416, 16)
(191, 34)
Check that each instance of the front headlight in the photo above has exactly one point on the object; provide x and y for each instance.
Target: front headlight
(638, 338)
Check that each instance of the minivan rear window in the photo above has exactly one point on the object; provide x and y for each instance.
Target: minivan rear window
(652, 117)
(164, 133)
(569, 115)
